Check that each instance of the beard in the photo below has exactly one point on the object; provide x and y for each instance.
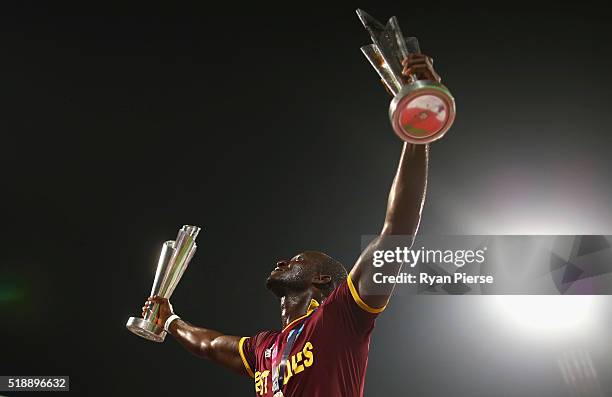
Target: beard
(287, 282)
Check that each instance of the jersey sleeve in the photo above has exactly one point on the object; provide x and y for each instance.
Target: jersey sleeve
(349, 311)
(247, 347)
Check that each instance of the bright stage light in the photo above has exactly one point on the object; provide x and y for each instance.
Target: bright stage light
(549, 314)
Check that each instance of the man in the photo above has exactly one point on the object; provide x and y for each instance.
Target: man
(327, 317)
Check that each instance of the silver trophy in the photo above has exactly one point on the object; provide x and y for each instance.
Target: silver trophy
(173, 260)
(421, 110)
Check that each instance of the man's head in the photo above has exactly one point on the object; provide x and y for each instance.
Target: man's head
(307, 270)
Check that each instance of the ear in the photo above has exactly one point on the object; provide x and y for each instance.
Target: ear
(320, 279)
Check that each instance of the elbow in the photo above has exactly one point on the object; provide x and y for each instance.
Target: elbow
(388, 229)
(205, 349)
(208, 347)
(394, 228)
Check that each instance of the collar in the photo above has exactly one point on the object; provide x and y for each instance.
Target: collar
(311, 308)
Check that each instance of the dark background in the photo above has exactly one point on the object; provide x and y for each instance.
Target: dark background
(268, 128)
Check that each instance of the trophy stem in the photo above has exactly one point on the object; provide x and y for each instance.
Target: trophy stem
(372, 53)
(399, 38)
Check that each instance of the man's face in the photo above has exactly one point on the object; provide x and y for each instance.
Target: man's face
(295, 274)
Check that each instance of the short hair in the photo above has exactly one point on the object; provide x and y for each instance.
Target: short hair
(331, 267)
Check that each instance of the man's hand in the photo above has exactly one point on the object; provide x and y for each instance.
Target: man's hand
(165, 308)
(419, 67)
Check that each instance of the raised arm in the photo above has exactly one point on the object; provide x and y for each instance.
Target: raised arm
(404, 207)
(204, 343)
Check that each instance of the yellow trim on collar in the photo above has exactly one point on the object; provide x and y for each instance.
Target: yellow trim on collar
(312, 306)
(244, 360)
(360, 301)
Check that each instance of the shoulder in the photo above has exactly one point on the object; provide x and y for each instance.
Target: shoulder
(347, 294)
(262, 337)
(252, 348)
(344, 310)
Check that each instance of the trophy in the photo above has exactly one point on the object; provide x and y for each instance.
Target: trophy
(421, 110)
(173, 260)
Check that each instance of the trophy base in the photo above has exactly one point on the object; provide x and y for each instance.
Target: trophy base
(422, 112)
(146, 329)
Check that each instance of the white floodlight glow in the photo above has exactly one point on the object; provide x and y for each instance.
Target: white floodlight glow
(548, 314)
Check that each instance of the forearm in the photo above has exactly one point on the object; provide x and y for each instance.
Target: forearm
(210, 344)
(196, 340)
(407, 193)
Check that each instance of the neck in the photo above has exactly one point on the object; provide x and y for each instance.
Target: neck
(294, 306)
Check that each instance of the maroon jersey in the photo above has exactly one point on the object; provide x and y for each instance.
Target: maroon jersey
(328, 352)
